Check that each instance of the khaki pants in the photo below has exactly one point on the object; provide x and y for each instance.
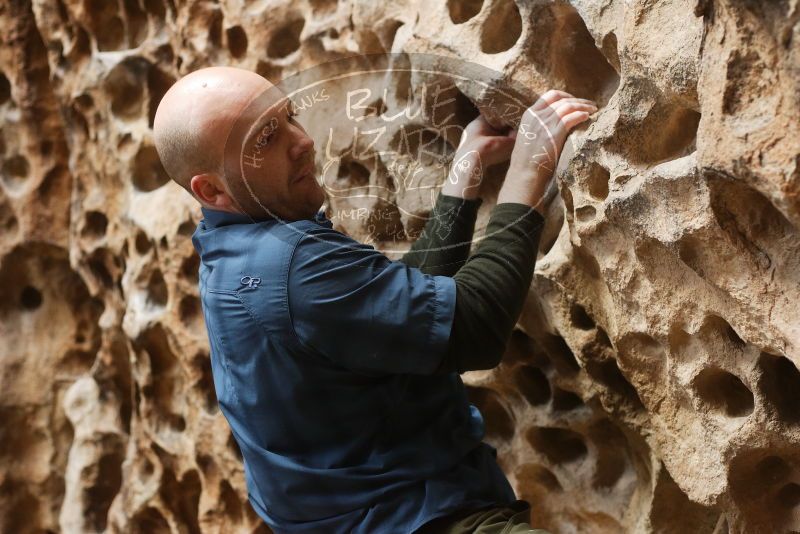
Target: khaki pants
(512, 519)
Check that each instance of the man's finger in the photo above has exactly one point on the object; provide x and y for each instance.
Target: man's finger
(574, 118)
(548, 98)
(564, 108)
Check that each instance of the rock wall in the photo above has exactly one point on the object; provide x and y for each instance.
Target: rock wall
(652, 382)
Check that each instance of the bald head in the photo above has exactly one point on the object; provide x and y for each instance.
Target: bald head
(196, 114)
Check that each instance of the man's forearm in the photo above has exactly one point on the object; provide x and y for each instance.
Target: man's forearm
(491, 288)
(444, 244)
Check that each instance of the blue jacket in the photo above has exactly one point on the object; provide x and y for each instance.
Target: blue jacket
(322, 351)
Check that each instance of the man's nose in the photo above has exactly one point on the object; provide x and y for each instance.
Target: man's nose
(302, 145)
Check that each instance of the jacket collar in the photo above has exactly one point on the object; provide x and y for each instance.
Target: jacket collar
(217, 218)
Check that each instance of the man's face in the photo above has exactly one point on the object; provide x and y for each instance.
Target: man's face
(278, 165)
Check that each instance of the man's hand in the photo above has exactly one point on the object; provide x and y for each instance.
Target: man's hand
(481, 145)
(539, 139)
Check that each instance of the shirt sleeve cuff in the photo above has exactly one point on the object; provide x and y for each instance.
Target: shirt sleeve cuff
(444, 312)
(451, 201)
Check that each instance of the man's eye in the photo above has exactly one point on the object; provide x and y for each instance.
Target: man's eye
(293, 114)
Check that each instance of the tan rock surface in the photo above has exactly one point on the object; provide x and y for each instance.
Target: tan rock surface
(652, 383)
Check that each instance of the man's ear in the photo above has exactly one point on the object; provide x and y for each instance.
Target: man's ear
(208, 188)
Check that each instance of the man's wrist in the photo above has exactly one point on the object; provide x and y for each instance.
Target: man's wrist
(465, 176)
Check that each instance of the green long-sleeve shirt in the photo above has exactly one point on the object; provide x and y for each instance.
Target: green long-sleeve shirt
(491, 285)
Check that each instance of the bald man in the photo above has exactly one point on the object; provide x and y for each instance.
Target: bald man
(336, 368)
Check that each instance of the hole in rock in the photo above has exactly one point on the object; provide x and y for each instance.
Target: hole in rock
(607, 372)
(158, 82)
(190, 267)
(30, 298)
(15, 172)
(789, 495)
(147, 468)
(149, 521)
(164, 54)
(165, 386)
(183, 498)
(719, 326)
(585, 213)
(97, 264)
(690, 251)
(378, 107)
(665, 133)
(107, 28)
(77, 120)
(585, 260)
(465, 110)
(772, 470)
(178, 422)
(602, 339)
(191, 314)
(565, 401)
(532, 383)
(611, 445)
(528, 474)
(353, 172)
(561, 355)
(155, 8)
(22, 507)
(724, 392)
(369, 42)
(286, 40)
(754, 225)
(566, 196)
(548, 239)
(499, 423)
(611, 51)
(463, 10)
(585, 70)
(579, 317)
(11, 225)
(125, 87)
(187, 228)
(205, 384)
(5, 89)
(143, 243)
(558, 445)
(237, 41)
(231, 505)
(137, 23)
(388, 32)
(106, 475)
(214, 21)
(121, 379)
(82, 46)
(429, 147)
(502, 27)
(207, 465)
(157, 293)
(148, 173)
(597, 181)
(780, 385)
(522, 348)
(234, 447)
(75, 362)
(95, 225)
(746, 72)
